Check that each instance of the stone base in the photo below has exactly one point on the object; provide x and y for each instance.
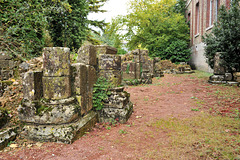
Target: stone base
(112, 114)
(65, 133)
(52, 112)
(229, 83)
(7, 135)
(135, 82)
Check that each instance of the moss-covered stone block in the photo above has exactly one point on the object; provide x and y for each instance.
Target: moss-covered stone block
(87, 55)
(56, 61)
(79, 78)
(32, 85)
(6, 74)
(107, 62)
(64, 133)
(49, 112)
(113, 76)
(6, 64)
(91, 77)
(56, 87)
(103, 49)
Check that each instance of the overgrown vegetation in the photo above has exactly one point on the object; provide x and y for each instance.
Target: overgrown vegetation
(28, 26)
(225, 38)
(100, 93)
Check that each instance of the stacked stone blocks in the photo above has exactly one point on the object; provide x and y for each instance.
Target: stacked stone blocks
(51, 108)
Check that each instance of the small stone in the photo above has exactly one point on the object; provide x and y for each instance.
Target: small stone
(13, 145)
(39, 144)
(24, 66)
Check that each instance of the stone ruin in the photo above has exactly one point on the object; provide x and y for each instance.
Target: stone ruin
(221, 76)
(138, 68)
(118, 105)
(58, 101)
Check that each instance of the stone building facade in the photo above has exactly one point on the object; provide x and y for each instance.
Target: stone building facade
(201, 14)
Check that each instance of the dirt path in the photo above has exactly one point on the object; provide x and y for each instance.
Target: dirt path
(168, 97)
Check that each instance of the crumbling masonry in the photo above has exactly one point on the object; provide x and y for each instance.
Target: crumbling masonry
(58, 105)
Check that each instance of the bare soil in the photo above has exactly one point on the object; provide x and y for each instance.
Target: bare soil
(173, 96)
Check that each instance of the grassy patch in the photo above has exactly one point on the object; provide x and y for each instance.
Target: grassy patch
(201, 74)
(202, 137)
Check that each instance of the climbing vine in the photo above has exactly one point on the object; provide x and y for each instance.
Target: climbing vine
(100, 93)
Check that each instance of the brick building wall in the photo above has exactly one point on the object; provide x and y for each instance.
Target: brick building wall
(201, 14)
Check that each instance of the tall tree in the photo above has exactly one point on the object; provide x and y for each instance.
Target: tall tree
(68, 22)
(156, 25)
(225, 38)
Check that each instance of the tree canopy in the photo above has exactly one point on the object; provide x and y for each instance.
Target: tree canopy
(159, 26)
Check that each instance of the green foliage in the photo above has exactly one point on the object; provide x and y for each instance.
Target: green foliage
(100, 92)
(156, 25)
(177, 51)
(68, 22)
(22, 24)
(28, 26)
(225, 38)
(121, 51)
(112, 35)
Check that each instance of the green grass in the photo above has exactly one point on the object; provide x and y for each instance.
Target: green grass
(202, 137)
(201, 74)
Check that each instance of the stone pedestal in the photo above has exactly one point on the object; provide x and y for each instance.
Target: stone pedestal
(117, 107)
(57, 102)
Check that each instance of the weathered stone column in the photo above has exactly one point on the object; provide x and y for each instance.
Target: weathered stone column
(51, 108)
(56, 73)
(109, 64)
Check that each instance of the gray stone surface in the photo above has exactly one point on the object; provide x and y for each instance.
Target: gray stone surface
(32, 85)
(6, 74)
(52, 112)
(24, 67)
(228, 76)
(217, 78)
(110, 114)
(109, 62)
(65, 133)
(87, 55)
(6, 64)
(7, 135)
